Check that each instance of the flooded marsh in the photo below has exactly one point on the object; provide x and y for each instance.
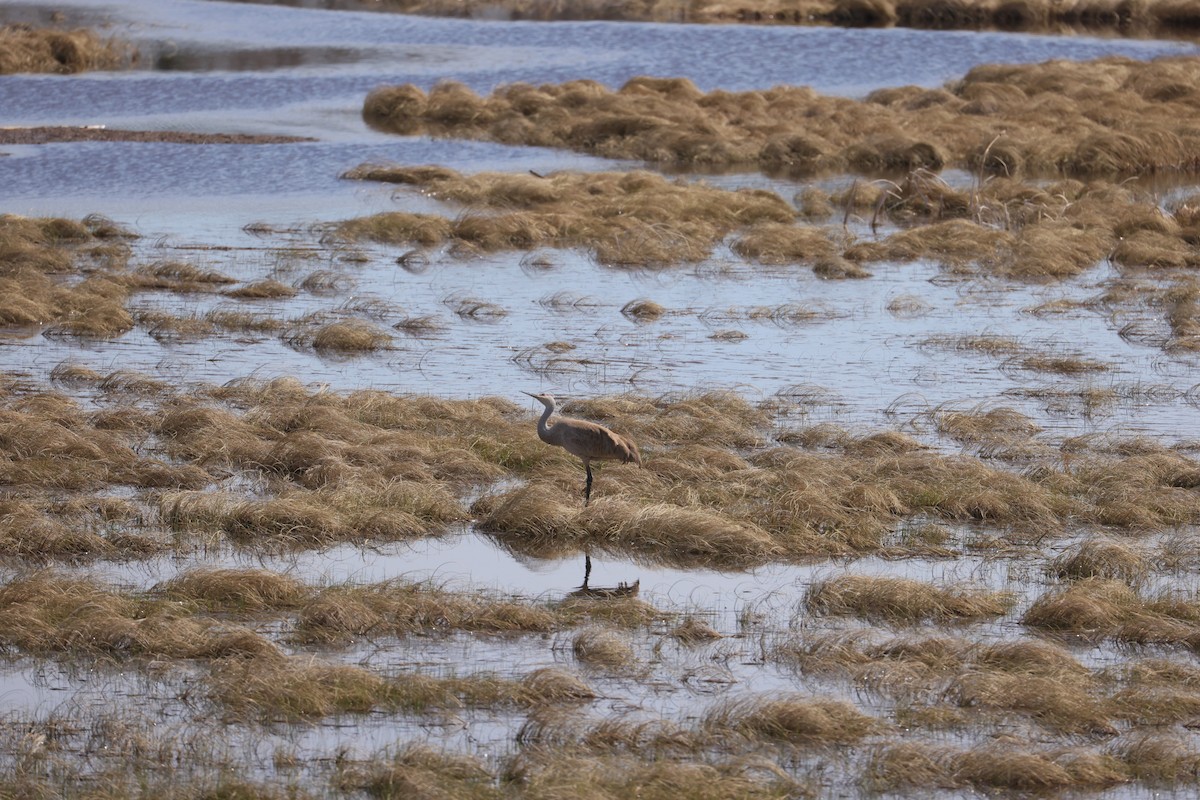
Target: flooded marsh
(911, 367)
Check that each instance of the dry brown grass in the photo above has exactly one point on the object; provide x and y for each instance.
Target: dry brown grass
(903, 600)
(993, 682)
(693, 630)
(235, 590)
(27, 49)
(269, 289)
(635, 219)
(298, 688)
(348, 336)
(1096, 608)
(1101, 558)
(397, 607)
(1155, 17)
(793, 719)
(1125, 121)
(1017, 229)
(604, 648)
(49, 277)
(54, 615)
(999, 767)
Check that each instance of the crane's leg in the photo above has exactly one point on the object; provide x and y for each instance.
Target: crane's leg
(587, 569)
(587, 487)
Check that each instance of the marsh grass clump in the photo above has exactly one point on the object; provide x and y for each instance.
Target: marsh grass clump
(1000, 767)
(635, 219)
(71, 374)
(604, 648)
(903, 600)
(421, 327)
(643, 310)
(55, 615)
(179, 276)
(341, 336)
(985, 426)
(1061, 363)
(693, 630)
(235, 590)
(28, 49)
(350, 336)
(1125, 125)
(678, 534)
(1101, 558)
(554, 685)
(476, 309)
(1095, 608)
(794, 719)
(300, 688)
(269, 289)
(27, 531)
(401, 608)
(1159, 758)
(1063, 701)
(418, 770)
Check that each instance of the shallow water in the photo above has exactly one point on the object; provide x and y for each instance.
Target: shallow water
(861, 363)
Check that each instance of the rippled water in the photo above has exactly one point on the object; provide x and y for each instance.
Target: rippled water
(221, 67)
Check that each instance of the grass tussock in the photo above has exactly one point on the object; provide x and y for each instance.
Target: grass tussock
(631, 219)
(50, 614)
(301, 688)
(568, 770)
(346, 336)
(1026, 678)
(795, 720)
(1096, 608)
(603, 648)
(1101, 558)
(999, 767)
(902, 600)
(1126, 123)
(262, 290)
(48, 279)
(399, 608)
(28, 49)
(235, 590)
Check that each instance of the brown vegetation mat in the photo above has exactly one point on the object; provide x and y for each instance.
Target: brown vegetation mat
(1010, 228)
(699, 504)
(26, 49)
(1155, 17)
(47, 134)
(204, 613)
(1113, 116)
(720, 485)
(632, 219)
(941, 682)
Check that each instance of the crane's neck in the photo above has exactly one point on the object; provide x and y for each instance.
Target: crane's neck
(543, 428)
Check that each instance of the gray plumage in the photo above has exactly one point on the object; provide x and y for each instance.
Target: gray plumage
(588, 441)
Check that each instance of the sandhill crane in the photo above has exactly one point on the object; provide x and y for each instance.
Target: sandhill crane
(590, 442)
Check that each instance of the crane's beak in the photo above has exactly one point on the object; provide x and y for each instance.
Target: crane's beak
(531, 395)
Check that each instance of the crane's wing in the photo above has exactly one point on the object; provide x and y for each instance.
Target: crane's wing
(591, 441)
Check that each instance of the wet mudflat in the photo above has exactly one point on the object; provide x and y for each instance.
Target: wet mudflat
(275, 515)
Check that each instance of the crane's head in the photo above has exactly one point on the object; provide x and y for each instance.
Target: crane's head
(545, 399)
